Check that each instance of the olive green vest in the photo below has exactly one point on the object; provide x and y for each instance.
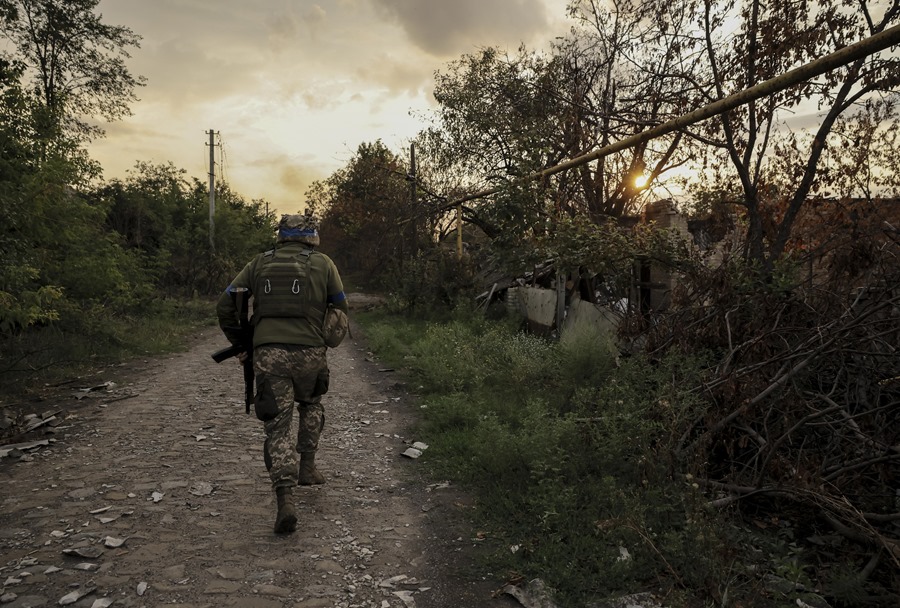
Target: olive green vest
(282, 285)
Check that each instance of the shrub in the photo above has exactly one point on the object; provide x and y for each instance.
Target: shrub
(568, 454)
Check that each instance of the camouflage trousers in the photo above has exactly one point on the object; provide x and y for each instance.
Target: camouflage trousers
(288, 373)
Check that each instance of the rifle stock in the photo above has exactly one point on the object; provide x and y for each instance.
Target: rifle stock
(233, 351)
(241, 300)
(228, 353)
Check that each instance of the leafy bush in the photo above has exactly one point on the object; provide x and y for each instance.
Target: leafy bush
(93, 336)
(434, 280)
(568, 453)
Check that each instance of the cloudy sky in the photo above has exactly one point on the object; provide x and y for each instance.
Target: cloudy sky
(293, 86)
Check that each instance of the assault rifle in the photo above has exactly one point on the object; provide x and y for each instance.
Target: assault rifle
(244, 346)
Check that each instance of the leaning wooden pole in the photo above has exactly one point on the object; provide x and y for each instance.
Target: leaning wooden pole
(863, 48)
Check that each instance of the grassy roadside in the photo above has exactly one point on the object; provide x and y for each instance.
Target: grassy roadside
(567, 451)
(50, 355)
(559, 444)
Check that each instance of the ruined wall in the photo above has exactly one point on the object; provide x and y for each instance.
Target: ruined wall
(538, 306)
(656, 281)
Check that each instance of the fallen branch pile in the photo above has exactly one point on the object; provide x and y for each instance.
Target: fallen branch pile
(802, 402)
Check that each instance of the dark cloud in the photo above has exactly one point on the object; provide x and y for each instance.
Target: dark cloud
(445, 28)
(293, 86)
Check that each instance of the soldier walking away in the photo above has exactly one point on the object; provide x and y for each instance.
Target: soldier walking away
(295, 290)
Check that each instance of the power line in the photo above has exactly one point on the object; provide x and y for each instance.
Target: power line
(868, 46)
(224, 157)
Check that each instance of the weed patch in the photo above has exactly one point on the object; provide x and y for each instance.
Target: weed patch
(566, 450)
(86, 339)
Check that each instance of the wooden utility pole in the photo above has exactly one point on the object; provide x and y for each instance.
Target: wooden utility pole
(459, 240)
(212, 189)
(413, 186)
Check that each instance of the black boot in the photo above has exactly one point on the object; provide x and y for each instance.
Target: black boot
(286, 520)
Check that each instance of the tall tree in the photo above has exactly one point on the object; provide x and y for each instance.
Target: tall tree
(22, 300)
(361, 206)
(746, 42)
(502, 116)
(617, 62)
(74, 64)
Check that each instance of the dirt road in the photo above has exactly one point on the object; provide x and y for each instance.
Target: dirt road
(154, 493)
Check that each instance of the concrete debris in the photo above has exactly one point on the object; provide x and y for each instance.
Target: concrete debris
(76, 595)
(113, 542)
(86, 552)
(811, 600)
(15, 449)
(141, 588)
(36, 423)
(390, 582)
(533, 594)
(416, 450)
(201, 488)
(407, 598)
(635, 600)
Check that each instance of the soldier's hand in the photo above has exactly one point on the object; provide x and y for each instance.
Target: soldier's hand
(242, 357)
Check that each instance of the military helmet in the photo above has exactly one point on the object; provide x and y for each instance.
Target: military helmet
(299, 228)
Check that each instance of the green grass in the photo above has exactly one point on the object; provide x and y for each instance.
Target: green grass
(569, 453)
(88, 339)
(564, 449)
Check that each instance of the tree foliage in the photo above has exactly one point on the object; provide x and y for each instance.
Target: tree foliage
(745, 43)
(502, 117)
(74, 64)
(163, 218)
(362, 208)
(75, 251)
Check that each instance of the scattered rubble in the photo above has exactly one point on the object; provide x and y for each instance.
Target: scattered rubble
(164, 499)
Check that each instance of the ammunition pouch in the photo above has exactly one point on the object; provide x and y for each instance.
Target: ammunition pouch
(264, 405)
(322, 381)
